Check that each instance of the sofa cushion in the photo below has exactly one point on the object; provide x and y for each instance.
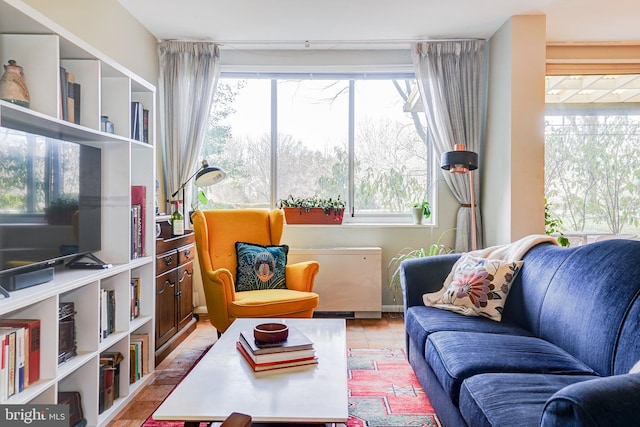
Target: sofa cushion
(420, 321)
(456, 356)
(510, 399)
(478, 287)
(260, 267)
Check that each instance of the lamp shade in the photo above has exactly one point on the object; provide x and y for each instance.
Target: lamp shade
(209, 175)
(459, 160)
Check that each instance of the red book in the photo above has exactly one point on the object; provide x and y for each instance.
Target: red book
(32, 342)
(138, 197)
(269, 366)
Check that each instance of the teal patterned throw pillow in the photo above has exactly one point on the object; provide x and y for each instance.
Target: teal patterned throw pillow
(260, 267)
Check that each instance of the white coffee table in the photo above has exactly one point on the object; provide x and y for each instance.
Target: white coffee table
(223, 382)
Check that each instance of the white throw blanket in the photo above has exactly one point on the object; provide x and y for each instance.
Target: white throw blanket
(511, 252)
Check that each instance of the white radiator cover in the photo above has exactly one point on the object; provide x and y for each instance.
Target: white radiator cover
(349, 281)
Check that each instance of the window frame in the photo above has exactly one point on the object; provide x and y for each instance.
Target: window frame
(351, 217)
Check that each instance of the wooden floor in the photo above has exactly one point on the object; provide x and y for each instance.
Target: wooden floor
(387, 332)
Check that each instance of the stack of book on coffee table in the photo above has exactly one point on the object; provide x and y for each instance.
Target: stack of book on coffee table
(296, 351)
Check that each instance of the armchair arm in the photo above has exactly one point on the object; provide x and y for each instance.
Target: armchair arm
(300, 276)
(611, 401)
(219, 292)
(419, 276)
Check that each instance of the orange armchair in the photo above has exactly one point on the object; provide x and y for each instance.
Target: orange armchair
(217, 232)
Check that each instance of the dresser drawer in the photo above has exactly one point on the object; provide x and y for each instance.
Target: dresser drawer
(166, 262)
(185, 254)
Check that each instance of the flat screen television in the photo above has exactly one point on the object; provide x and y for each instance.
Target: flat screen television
(50, 202)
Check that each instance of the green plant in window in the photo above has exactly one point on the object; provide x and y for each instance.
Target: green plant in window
(329, 205)
(426, 208)
(552, 224)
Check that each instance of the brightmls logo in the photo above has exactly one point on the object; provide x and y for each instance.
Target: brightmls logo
(34, 415)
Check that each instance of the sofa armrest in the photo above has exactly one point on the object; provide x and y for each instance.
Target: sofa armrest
(612, 401)
(419, 276)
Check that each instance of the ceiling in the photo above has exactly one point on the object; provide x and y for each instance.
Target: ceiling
(377, 23)
(384, 24)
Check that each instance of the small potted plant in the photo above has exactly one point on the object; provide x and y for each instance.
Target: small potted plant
(420, 210)
(312, 210)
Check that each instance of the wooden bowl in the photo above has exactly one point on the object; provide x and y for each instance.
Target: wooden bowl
(271, 332)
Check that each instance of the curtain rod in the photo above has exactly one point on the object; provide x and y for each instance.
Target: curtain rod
(310, 43)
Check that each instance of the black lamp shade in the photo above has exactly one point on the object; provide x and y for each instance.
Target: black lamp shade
(459, 161)
(209, 175)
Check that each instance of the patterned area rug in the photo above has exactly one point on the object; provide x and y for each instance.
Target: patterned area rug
(383, 392)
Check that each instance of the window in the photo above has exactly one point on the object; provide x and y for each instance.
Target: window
(325, 135)
(592, 153)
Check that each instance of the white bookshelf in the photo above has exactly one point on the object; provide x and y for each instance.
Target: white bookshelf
(41, 47)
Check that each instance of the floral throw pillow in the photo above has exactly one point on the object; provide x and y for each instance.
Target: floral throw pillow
(478, 287)
(260, 267)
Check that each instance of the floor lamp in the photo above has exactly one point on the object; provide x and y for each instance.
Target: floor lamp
(461, 161)
(205, 176)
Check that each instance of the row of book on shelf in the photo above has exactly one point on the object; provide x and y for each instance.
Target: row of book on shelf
(70, 102)
(110, 361)
(138, 213)
(296, 351)
(70, 92)
(108, 307)
(19, 355)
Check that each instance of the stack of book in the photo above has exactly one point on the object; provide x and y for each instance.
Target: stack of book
(296, 351)
(109, 379)
(19, 355)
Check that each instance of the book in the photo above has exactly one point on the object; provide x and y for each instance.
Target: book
(111, 360)
(139, 197)
(136, 120)
(66, 331)
(76, 103)
(134, 362)
(262, 367)
(70, 98)
(63, 93)
(19, 353)
(143, 339)
(3, 365)
(32, 347)
(283, 356)
(10, 348)
(135, 298)
(295, 341)
(74, 400)
(145, 125)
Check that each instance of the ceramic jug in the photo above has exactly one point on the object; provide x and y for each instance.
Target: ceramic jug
(12, 86)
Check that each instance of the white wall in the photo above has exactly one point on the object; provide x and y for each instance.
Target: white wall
(108, 27)
(513, 176)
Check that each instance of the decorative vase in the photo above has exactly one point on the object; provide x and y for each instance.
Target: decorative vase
(12, 86)
(417, 215)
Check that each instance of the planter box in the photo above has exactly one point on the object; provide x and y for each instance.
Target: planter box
(313, 216)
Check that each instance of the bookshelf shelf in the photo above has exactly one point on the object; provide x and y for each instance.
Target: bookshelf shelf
(107, 88)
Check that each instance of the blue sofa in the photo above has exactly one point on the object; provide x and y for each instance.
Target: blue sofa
(560, 356)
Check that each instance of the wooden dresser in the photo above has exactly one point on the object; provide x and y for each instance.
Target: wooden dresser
(174, 290)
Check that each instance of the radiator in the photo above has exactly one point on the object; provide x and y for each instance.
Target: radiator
(349, 281)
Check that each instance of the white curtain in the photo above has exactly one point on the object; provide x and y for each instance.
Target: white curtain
(452, 78)
(189, 73)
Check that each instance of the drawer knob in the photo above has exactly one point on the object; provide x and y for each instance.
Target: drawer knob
(168, 260)
(187, 252)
